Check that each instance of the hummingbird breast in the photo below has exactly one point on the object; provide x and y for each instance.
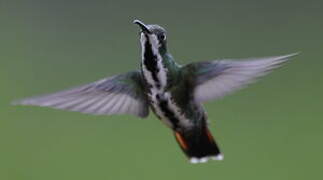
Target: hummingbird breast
(157, 79)
(161, 98)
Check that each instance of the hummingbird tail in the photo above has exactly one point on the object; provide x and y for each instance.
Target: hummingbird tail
(198, 147)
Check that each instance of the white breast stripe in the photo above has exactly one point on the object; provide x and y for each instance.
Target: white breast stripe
(162, 78)
(158, 110)
(183, 121)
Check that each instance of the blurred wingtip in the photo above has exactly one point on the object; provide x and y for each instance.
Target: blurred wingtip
(290, 55)
(17, 102)
(26, 101)
(284, 58)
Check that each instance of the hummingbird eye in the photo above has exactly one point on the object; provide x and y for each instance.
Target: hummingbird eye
(162, 37)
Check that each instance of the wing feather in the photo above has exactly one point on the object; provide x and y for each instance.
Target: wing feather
(215, 79)
(121, 94)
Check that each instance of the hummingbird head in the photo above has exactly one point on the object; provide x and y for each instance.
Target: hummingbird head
(152, 36)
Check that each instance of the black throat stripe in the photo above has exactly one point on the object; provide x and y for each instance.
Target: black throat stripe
(150, 61)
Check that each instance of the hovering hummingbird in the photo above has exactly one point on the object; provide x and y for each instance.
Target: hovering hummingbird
(173, 92)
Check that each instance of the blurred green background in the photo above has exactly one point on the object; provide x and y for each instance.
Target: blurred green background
(271, 130)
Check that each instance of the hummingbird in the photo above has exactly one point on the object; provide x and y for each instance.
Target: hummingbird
(174, 93)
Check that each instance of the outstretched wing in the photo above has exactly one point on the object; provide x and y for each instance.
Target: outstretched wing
(215, 79)
(120, 94)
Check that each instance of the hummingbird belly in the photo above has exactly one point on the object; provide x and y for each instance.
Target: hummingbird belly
(168, 111)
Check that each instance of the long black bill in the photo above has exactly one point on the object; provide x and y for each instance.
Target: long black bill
(143, 26)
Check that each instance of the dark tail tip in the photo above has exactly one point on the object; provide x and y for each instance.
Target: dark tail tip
(199, 147)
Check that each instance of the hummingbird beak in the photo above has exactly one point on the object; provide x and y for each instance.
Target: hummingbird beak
(143, 26)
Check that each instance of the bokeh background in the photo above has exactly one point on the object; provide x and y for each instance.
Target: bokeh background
(271, 130)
